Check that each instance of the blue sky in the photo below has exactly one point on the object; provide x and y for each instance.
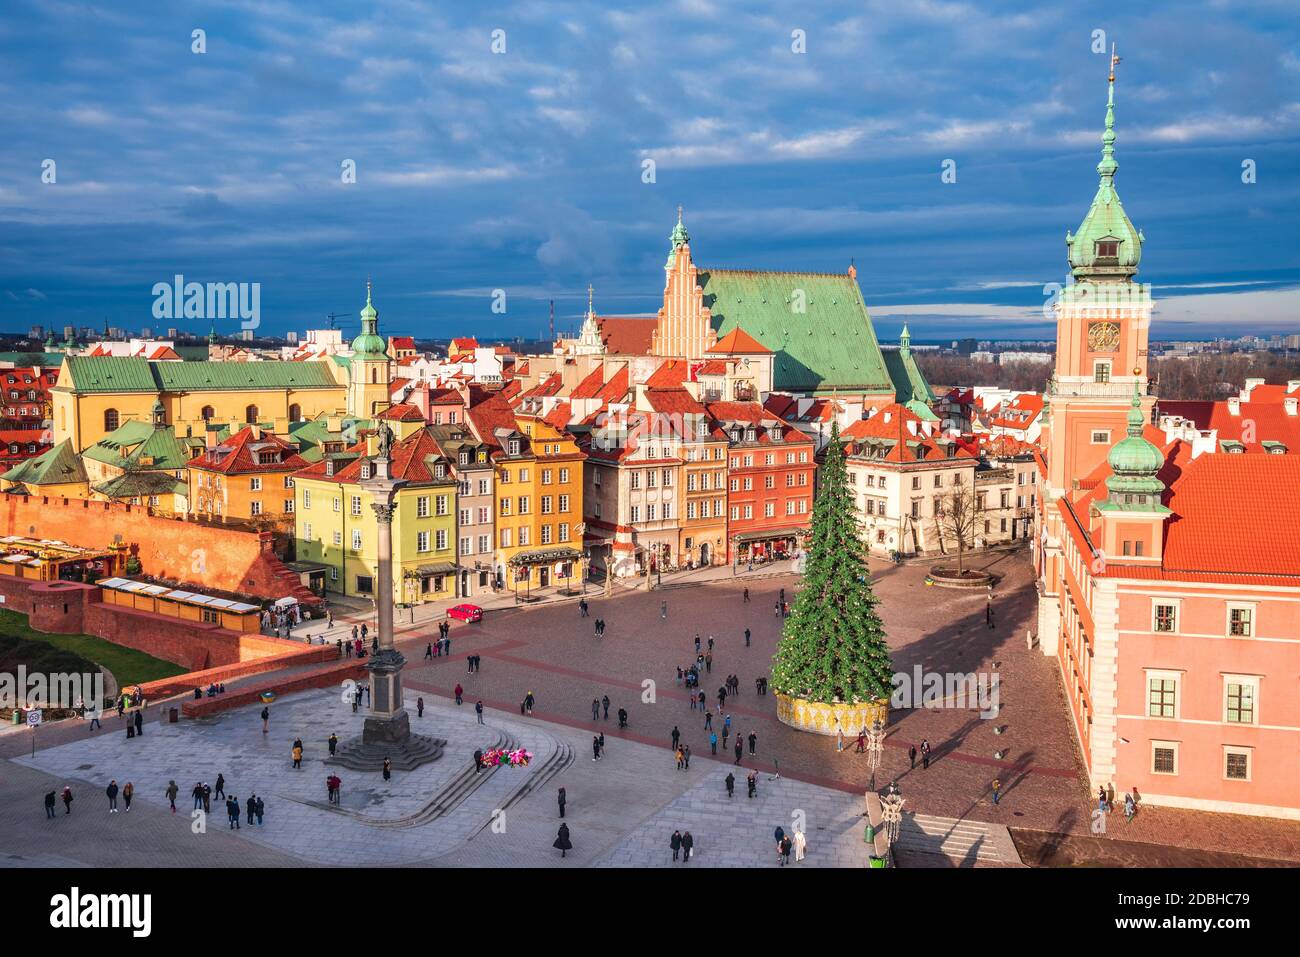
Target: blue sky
(523, 170)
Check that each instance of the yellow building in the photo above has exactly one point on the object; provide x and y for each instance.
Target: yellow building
(538, 505)
(247, 477)
(336, 526)
(57, 472)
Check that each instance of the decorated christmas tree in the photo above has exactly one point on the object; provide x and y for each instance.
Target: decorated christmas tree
(833, 645)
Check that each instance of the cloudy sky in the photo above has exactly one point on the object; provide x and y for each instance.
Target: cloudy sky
(524, 170)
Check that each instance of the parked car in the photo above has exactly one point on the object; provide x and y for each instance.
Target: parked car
(466, 612)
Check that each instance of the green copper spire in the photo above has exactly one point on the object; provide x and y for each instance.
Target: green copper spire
(680, 236)
(905, 341)
(212, 333)
(1135, 486)
(50, 344)
(369, 345)
(1106, 246)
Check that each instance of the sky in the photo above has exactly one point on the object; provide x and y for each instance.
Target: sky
(508, 146)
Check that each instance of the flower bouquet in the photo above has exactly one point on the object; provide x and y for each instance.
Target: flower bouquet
(498, 757)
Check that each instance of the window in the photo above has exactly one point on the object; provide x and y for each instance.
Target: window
(250, 415)
(484, 543)
(422, 507)
(295, 413)
(306, 498)
(1165, 617)
(288, 505)
(306, 531)
(523, 505)
(1101, 372)
(1239, 699)
(1236, 763)
(564, 476)
(564, 531)
(523, 535)
(1108, 249)
(338, 538)
(1241, 619)
(484, 515)
(288, 481)
(111, 419)
(916, 482)
(440, 539)
(337, 504)
(356, 540)
(484, 487)
(356, 504)
(365, 584)
(546, 476)
(256, 508)
(365, 470)
(564, 503)
(255, 485)
(769, 481)
(440, 505)
(421, 541)
(1164, 757)
(636, 513)
(636, 480)
(505, 538)
(546, 534)
(1162, 695)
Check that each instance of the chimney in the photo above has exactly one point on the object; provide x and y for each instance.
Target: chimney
(1289, 404)
(1234, 405)
(210, 438)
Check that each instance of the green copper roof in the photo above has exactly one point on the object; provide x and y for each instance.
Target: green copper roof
(1135, 462)
(830, 344)
(369, 345)
(1105, 219)
(679, 237)
(127, 446)
(113, 374)
(910, 385)
(57, 466)
(141, 484)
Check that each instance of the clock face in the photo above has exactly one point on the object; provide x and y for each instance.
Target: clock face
(1103, 336)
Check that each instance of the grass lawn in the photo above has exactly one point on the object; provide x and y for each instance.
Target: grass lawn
(127, 665)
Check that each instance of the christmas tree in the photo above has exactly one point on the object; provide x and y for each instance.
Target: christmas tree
(833, 645)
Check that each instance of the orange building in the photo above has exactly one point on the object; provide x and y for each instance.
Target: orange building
(248, 477)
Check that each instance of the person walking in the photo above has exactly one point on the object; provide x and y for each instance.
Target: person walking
(111, 791)
(478, 710)
(562, 799)
(197, 794)
(997, 791)
(800, 845)
(50, 802)
(740, 749)
(428, 651)
(419, 706)
(139, 722)
(333, 744)
(663, 610)
(675, 842)
(677, 736)
(730, 781)
(128, 792)
(925, 754)
(746, 601)
(713, 742)
(220, 790)
(839, 739)
(595, 748)
(622, 717)
(604, 701)
(595, 709)
(681, 758)
(686, 758)
(232, 811)
(388, 769)
(171, 792)
(297, 755)
(251, 806)
(751, 782)
(753, 743)
(529, 701)
(562, 840)
(911, 756)
(266, 717)
(862, 742)
(261, 809)
(746, 637)
(786, 846)
(688, 843)
(459, 694)
(67, 799)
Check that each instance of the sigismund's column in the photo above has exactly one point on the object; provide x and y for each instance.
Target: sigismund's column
(388, 722)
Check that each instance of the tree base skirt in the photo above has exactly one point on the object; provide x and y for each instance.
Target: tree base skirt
(820, 717)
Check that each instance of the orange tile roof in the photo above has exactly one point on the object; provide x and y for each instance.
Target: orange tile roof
(237, 454)
(670, 375)
(627, 335)
(1263, 418)
(402, 413)
(589, 387)
(739, 342)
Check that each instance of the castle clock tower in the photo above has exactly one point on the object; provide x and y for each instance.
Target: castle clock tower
(1103, 318)
(369, 372)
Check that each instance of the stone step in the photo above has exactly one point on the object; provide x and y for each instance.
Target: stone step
(949, 837)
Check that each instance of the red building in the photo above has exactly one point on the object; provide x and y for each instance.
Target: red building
(771, 467)
(26, 402)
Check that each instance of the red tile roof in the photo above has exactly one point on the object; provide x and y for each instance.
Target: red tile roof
(489, 413)
(894, 422)
(670, 375)
(712, 367)
(751, 413)
(1262, 419)
(239, 454)
(627, 335)
(589, 387)
(402, 413)
(558, 417)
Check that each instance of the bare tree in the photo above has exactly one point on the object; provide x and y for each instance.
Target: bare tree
(957, 513)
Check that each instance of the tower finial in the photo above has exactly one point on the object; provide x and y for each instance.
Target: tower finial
(679, 212)
(590, 299)
(1114, 60)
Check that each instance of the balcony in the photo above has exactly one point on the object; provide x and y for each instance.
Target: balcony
(1096, 390)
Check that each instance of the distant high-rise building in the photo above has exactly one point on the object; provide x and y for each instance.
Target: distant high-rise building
(292, 338)
(171, 333)
(36, 333)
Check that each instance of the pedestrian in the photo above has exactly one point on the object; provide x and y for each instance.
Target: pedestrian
(595, 709)
(677, 736)
(911, 756)
(605, 704)
(595, 748)
(739, 749)
(459, 693)
(388, 769)
(697, 642)
(688, 843)
(50, 801)
(261, 809)
(563, 800)
(713, 742)
(753, 743)
(232, 812)
(730, 781)
(207, 799)
(529, 701)
(266, 717)
(862, 742)
(333, 744)
(562, 840)
(708, 720)
(297, 756)
(686, 758)
(67, 799)
(478, 711)
(428, 651)
(128, 792)
(746, 637)
(663, 610)
(681, 758)
(708, 662)
(478, 760)
(111, 791)
(997, 790)
(779, 836)
(675, 842)
(251, 807)
(746, 602)
(925, 754)
(800, 845)
(220, 789)
(751, 781)
(839, 739)
(786, 846)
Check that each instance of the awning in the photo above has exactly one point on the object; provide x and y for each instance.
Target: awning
(440, 568)
(768, 534)
(543, 556)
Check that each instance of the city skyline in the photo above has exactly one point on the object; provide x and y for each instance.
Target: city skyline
(228, 168)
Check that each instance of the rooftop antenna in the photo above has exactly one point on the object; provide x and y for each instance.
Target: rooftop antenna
(334, 316)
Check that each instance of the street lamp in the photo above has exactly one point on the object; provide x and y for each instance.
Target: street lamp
(875, 748)
(891, 813)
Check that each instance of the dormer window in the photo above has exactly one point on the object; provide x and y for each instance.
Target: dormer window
(1108, 249)
(365, 470)
(439, 471)
(514, 446)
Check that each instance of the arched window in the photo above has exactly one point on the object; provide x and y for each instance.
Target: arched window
(295, 413)
(111, 420)
(207, 413)
(374, 376)
(250, 415)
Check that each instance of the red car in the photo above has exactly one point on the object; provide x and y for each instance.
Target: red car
(466, 613)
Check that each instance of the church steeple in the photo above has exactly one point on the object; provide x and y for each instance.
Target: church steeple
(905, 342)
(369, 344)
(1106, 246)
(1135, 462)
(680, 237)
